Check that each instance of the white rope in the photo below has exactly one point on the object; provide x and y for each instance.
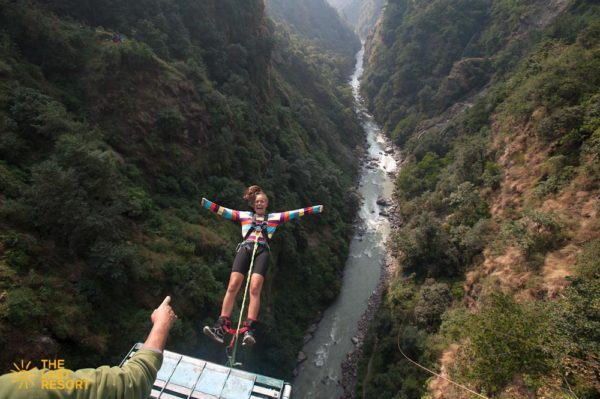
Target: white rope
(436, 374)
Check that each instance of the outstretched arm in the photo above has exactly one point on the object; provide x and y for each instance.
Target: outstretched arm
(297, 213)
(131, 381)
(162, 318)
(227, 213)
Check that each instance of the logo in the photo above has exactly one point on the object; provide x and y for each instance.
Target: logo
(51, 376)
(21, 376)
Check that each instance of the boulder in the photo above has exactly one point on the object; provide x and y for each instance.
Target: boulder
(301, 357)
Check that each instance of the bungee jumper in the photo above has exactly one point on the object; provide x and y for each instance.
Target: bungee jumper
(252, 257)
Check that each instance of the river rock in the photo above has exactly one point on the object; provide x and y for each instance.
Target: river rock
(307, 337)
(312, 328)
(301, 357)
(382, 201)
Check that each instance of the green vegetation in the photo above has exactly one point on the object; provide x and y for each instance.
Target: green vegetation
(317, 21)
(535, 234)
(382, 363)
(504, 339)
(453, 83)
(536, 339)
(109, 141)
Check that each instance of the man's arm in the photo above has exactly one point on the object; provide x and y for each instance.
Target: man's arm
(132, 381)
(162, 318)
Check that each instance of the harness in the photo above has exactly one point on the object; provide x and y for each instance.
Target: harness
(258, 227)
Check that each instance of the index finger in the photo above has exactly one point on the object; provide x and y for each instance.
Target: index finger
(166, 301)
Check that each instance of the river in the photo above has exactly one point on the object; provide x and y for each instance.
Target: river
(319, 376)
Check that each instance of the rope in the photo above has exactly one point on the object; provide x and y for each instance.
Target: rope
(462, 386)
(436, 374)
(234, 340)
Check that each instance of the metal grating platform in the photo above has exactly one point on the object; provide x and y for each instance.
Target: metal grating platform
(184, 377)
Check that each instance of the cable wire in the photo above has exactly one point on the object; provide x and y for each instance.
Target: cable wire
(436, 374)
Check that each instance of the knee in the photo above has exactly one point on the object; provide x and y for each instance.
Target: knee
(233, 287)
(255, 290)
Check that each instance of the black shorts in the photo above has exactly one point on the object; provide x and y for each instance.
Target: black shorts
(241, 263)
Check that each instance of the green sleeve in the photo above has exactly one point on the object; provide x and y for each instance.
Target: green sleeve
(132, 381)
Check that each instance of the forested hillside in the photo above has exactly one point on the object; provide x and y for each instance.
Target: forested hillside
(361, 14)
(496, 106)
(115, 119)
(318, 24)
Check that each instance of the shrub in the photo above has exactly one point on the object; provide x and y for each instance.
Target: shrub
(552, 184)
(403, 129)
(10, 180)
(467, 206)
(470, 157)
(505, 339)
(588, 262)
(111, 261)
(24, 307)
(136, 56)
(148, 33)
(415, 179)
(426, 249)
(432, 301)
(470, 241)
(535, 233)
(560, 122)
(139, 203)
(20, 250)
(575, 318)
(492, 175)
(37, 114)
(170, 123)
(76, 195)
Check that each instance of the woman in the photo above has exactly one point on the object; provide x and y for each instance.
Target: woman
(257, 226)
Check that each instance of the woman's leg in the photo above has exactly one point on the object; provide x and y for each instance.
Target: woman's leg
(256, 284)
(235, 282)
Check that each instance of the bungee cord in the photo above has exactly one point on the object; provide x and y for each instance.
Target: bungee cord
(234, 340)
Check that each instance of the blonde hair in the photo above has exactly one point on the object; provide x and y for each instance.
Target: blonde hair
(251, 193)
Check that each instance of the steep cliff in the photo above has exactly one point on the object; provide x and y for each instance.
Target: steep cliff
(115, 119)
(495, 106)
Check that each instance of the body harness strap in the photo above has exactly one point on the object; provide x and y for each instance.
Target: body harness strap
(254, 227)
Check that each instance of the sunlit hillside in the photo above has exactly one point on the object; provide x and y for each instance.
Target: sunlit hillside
(495, 105)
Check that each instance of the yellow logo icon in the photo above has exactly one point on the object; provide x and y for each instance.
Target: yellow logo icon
(21, 376)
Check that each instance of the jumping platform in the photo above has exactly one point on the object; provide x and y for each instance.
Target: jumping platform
(184, 377)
